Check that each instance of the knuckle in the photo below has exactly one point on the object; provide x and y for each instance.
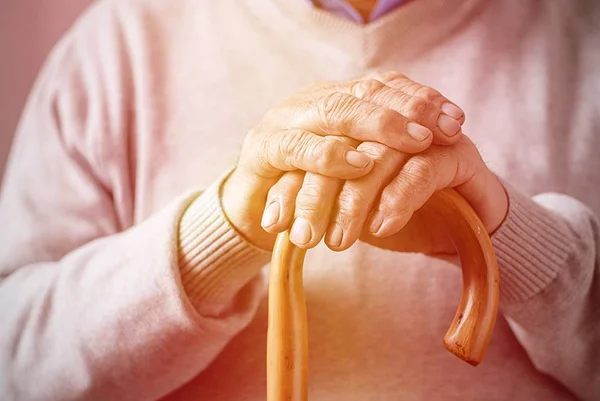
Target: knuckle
(327, 154)
(366, 88)
(420, 169)
(402, 83)
(429, 94)
(331, 104)
(379, 152)
(382, 119)
(309, 196)
(352, 203)
(418, 109)
(398, 199)
(294, 143)
(337, 109)
(305, 209)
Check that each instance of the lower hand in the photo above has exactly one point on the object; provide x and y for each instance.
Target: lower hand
(388, 207)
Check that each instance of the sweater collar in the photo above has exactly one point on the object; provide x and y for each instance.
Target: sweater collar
(414, 26)
(344, 9)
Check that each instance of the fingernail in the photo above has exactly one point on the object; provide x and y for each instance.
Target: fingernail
(376, 221)
(448, 125)
(270, 215)
(391, 226)
(452, 110)
(335, 238)
(417, 131)
(357, 159)
(300, 233)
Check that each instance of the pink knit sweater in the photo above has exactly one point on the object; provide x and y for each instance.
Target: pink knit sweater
(121, 278)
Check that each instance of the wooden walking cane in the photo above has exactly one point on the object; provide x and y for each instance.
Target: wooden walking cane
(467, 337)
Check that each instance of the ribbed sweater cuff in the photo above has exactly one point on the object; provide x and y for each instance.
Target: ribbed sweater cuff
(215, 261)
(532, 246)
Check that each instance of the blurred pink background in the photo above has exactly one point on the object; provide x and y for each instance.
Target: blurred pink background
(28, 30)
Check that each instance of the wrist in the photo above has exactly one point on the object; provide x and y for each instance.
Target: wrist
(243, 199)
(214, 260)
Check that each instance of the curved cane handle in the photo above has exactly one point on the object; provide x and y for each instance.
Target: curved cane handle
(468, 335)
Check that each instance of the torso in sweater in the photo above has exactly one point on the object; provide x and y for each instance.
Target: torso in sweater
(196, 75)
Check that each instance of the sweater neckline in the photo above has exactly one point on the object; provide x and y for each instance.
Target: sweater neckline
(411, 15)
(412, 26)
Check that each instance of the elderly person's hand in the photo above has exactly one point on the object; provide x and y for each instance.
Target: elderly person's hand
(313, 131)
(388, 207)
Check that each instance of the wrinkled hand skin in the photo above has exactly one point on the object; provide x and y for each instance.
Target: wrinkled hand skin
(322, 137)
(389, 207)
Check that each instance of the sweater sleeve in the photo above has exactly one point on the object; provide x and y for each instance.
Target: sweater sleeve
(93, 305)
(548, 256)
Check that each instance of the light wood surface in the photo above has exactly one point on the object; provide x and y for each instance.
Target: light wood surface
(469, 333)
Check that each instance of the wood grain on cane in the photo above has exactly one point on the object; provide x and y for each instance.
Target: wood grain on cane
(469, 333)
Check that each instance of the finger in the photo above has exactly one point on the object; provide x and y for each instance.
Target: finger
(424, 105)
(300, 150)
(448, 109)
(415, 108)
(314, 205)
(419, 178)
(342, 114)
(280, 205)
(281, 200)
(358, 197)
(401, 82)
